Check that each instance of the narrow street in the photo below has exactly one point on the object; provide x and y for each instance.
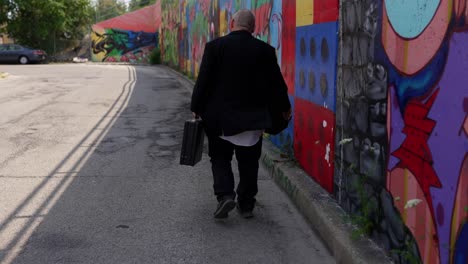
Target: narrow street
(89, 173)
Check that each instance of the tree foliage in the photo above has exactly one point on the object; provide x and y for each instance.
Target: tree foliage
(4, 8)
(107, 9)
(43, 23)
(137, 4)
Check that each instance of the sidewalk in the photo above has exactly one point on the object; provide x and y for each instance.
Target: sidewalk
(317, 206)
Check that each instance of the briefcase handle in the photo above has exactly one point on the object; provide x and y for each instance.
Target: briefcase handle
(195, 119)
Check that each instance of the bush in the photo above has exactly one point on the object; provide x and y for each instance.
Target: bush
(155, 56)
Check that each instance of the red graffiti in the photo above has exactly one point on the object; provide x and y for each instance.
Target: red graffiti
(325, 11)
(262, 18)
(464, 126)
(314, 143)
(192, 13)
(198, 47)
(205, 7)
(288, 38)
(414, 153)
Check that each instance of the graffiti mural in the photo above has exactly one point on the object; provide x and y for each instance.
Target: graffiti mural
(285, 139)
(403, 99)
(361, 107)
(288, 44)
(201, 29)
(170, 25)
(268, 22)
(428, 110)
(187, 26)
(316, 48)
(127, 38)
(114, 45)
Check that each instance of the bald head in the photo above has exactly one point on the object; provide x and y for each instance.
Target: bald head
(243, 20)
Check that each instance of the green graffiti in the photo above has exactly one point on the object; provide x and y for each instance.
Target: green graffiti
(259, 3)
(170, 48)
(169, 31)
(238, 5)
(263, 37)
(200, 27)
(120, 40)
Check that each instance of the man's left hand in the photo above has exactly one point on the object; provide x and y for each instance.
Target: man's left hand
(287, 115)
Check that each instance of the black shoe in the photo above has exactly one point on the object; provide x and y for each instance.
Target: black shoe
(245, 213)
(224, 207)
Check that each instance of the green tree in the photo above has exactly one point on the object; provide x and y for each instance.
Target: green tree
(47, 23)
(4, 9)
(137, 4)
(107, 9)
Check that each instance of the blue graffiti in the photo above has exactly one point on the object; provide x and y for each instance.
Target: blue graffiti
(461, 246)
(419, 84)
(123, 41)
(409, 18)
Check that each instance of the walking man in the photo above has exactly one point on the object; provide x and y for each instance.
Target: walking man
(239, 80)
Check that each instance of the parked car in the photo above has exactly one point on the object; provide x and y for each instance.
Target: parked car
(10, 53)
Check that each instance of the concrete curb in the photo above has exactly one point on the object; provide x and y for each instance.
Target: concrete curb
(111, 63)
(320, 210)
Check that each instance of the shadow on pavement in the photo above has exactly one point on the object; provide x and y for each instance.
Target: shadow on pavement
(107, 195)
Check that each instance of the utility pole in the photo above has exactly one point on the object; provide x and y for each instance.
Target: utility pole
(96, 14)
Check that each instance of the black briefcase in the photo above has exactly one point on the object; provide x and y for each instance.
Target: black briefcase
(192, 143)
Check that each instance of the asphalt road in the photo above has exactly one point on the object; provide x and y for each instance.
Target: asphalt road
(89, 174)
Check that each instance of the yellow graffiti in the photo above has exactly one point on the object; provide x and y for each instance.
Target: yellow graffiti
(304, 12)
(96, 38)
(223, 23)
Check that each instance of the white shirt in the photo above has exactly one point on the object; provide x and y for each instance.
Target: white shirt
(245, 139)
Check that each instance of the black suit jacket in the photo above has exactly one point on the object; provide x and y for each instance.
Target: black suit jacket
(239, 79)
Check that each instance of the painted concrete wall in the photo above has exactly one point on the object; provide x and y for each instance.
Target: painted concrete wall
(380, 98)
(127, 38)
(402, 104)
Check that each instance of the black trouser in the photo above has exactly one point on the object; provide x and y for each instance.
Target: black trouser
(220, 152)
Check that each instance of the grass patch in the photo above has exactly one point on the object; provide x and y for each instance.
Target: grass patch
(155, 56)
